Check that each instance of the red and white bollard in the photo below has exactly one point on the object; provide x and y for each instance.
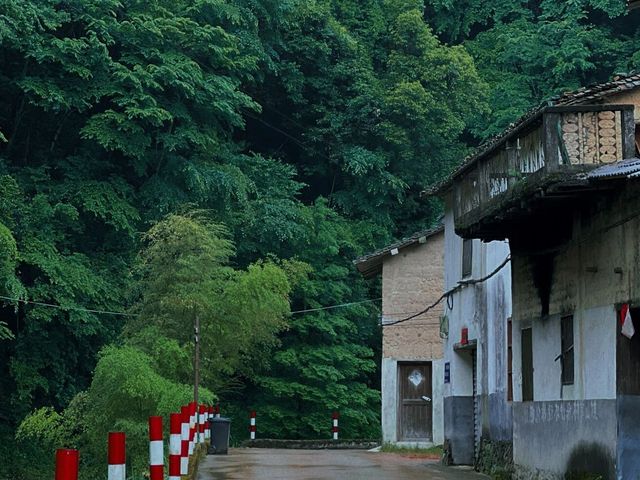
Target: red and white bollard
(117, 456)
(175, 445)
(335, 429)
(206, 421)
(217, 411)
(156, 449)
(184, 436)
(193, 411)
(202, 410)
(207, 428)
(252, 425)
(67, 464)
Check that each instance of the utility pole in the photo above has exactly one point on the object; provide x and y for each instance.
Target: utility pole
(196, 359)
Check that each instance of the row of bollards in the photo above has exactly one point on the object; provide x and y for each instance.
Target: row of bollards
(187, 429)
(334, 427)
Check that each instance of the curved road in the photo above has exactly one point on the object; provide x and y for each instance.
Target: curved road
(265, 464)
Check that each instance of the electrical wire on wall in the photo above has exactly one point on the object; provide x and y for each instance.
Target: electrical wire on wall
(448, 295)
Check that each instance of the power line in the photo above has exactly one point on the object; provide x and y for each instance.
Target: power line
(123, 314)
(297, 141)
(295, 312)
(60, 307)
(295, 122)
(342, 305)
(291, 137)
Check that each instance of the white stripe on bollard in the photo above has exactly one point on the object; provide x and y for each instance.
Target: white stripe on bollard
(156, 453)
(174, 444)
(252, 425)
(116, 472)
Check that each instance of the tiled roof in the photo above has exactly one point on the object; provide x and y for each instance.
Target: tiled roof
(585, 95)
(594, 93)
(371, 264)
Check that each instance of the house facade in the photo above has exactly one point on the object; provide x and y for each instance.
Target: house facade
(412, 277)
(477, 411)
(561, 186)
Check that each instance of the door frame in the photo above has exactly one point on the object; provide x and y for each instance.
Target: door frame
(399, 431)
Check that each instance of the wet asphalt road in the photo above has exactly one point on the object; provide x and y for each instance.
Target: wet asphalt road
(263, 464)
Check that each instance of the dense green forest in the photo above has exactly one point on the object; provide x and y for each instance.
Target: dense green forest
(227, 160)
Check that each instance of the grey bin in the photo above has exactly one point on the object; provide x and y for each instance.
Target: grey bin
(220, 429)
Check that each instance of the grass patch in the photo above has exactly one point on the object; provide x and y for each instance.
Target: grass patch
(414, 452)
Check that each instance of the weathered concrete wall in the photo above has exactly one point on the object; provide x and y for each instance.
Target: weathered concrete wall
(412, 280)
(585, 271)
(389, 388)
(458, 428)
(496, 418)
(438, 401)
(596, 269)
(628, 456)
(552, 438)
(483, 309)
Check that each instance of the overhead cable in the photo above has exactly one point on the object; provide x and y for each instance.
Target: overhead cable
(124, 314)
(447, 295)
(60, 307)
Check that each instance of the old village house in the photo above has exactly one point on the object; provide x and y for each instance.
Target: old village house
(562, 187)
(412, 275)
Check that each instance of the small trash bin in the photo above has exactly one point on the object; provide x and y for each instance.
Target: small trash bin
(220, 429)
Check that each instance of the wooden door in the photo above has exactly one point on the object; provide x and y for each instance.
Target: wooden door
(415, 413)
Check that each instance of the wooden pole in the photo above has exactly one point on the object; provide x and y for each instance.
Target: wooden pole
(196, 360)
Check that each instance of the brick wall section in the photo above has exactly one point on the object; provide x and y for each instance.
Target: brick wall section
(412, 280)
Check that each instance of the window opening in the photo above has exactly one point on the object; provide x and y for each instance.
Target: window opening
(566, 344)
(467, 256)
(527, 365)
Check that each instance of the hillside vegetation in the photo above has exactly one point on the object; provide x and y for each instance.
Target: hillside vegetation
(227, 160)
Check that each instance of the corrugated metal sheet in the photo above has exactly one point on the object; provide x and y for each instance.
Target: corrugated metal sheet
(625, 169)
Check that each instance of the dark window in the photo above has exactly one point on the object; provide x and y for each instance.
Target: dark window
(467, 254)
(638, 140)
(527, 365)
(566, 343)
(509, 360)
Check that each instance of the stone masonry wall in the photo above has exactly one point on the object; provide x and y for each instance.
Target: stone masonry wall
(412, 280)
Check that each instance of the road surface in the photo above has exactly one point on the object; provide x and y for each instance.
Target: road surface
(265, 464)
